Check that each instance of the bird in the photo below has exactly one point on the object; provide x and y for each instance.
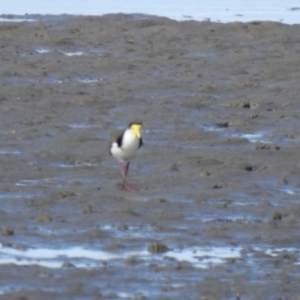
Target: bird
(124, 146)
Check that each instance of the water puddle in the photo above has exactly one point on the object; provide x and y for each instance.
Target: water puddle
(234, 201)
(55, 181)
(161, 197)
(16, 19)
(251, 137)
(212, 128)
(75, 53)
(10, 151)
(209, 53)
(199, 257)
(129, 231)
(14, 289)
(82, 125)
(277, 251)
(89, 80)
(75, 164)
(10, 195)
(42, 50)
(229, 219)
(28, 182)
(97, 50)
(19, 81)
(255, 137)
(290, 191)
(205, 257)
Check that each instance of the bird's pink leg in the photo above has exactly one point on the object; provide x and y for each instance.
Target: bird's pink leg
(124, 171)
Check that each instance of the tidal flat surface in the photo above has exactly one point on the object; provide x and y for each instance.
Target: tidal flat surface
(215, 213)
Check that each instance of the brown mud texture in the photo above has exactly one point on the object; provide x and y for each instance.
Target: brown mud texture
(215, 213)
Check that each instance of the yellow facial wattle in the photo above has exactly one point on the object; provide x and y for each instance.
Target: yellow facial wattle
(136, 129)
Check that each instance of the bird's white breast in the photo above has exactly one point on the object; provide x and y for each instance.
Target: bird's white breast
(128, 148)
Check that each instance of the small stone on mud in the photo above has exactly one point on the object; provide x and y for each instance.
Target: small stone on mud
(223, 125)
(7, 231)
(204, 174)
(207, 88)
(218, 186)
(21, 247)
(132, 213)
(67, 264)
(87, 209)
(174, 168)
(65, 194)
(131, 261)
(263, 146)
(241, 105)
(254, 116)
(97, 234)
(248, 168)
(28, 122)
(244, 105)
(43, 219)
(156, 247)
(237, 296)
(6, 245)
(288, 257)
(276, 216)
(283, 181)
(162, 200)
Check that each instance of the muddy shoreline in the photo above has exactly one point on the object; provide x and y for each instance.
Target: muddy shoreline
(217, 181)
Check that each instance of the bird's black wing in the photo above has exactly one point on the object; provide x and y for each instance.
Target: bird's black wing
(120, 140)
(141, 143)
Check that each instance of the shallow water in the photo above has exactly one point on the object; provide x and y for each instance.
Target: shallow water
(230, 11)
(87, 258)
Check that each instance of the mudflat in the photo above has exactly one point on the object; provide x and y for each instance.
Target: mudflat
(215, 213)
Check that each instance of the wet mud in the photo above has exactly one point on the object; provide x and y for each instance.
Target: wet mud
(215, 212)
